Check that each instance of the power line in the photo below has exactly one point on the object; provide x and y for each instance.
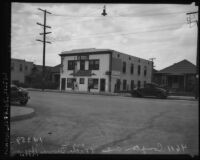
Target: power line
(124, 34)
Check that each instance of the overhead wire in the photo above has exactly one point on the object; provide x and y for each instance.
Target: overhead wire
(107, 34)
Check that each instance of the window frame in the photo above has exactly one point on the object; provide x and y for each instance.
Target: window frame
(82, 81)
(94, 84)
(71, 65)
(20, 67)
(124, 67)
(132, 68)
(93, 65)
(139, 69)
(124, 84)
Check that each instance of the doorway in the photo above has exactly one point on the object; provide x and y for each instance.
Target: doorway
(102, 85)
(63, 82)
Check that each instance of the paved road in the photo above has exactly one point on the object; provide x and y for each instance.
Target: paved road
(73, 123)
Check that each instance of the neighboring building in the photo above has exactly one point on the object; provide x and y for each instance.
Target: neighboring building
(19, 70)
(100, 70)
(177, 77)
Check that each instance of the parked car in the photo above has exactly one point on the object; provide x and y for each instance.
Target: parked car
(18, 94)
(151, 89)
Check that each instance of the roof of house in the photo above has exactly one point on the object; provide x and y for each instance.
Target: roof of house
(182, 67)
(92, 50)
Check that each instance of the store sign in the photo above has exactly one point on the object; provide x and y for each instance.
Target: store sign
(83, 57)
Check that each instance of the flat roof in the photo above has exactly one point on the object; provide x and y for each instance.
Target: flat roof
(93, 50)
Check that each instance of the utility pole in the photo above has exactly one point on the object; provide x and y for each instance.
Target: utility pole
(152, 72)
(189, 19)
(44, 43)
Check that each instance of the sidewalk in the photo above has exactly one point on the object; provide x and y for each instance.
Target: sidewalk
(172, 97)
(19, 113)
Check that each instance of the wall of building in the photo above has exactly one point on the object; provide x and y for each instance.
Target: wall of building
(117, 66)
(16, 73)
(101, 73)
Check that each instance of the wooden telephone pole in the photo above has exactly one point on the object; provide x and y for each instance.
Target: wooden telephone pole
(44, 43)
(197, 56)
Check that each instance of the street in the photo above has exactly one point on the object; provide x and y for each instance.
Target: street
(81, 123)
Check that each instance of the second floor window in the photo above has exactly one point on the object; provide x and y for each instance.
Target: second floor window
(132, 68)
(94, 65)
(82, 65)
(124, 67)
(26, 68)
(20, 68)
(139, 68)
(71, 65)
(145, 70)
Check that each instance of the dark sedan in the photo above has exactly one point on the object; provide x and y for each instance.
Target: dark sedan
(18, 94)
(151, 89)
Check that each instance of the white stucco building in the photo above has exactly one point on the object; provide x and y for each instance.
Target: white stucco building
(102, 70)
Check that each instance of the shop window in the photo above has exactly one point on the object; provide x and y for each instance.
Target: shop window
(70, 82)
(139, 84)
(124, 84)
(82, 80)
(93, 83)
(132, 84)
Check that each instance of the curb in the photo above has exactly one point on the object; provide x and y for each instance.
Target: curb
(176, 98)
(22, 117)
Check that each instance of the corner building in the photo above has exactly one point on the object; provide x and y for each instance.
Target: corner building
(103, 70)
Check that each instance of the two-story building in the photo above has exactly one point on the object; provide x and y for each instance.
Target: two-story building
(102, 70)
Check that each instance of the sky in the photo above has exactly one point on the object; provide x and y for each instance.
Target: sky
(159, 31)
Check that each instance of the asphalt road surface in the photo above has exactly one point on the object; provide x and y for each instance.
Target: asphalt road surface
(79, 123)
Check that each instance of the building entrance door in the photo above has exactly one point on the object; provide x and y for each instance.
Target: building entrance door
(63, 82)
(102, 85)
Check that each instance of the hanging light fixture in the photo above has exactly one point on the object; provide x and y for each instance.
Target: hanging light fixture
(104, 11)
